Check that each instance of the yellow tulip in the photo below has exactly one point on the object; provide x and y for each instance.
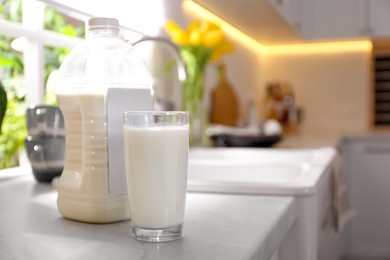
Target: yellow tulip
(171, 27)
(217, 54)
(225, 47)
(205, 34)
(180, 37)
(209, 26)
(195, 38)
(195, 24)
(213, 38)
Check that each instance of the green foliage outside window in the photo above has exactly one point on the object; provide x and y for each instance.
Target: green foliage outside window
(12, 85)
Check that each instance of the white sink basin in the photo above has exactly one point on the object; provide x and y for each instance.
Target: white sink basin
(257, 171)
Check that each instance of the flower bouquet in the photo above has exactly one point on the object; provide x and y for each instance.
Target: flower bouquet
(199, 44)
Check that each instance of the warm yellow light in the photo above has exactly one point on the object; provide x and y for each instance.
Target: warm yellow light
(288, 49)
(229, 29)
(323, 47)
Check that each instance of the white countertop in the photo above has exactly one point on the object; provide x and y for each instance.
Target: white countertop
(216, 227)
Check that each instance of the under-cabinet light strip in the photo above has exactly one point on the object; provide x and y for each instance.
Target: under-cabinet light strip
(319, 47)
(232, 31)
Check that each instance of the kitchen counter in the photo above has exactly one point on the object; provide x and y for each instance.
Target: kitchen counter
(216, 226)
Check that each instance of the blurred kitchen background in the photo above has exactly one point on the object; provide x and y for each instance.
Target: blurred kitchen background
(329, 58)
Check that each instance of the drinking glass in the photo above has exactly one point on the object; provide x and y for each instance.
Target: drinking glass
(156, 159)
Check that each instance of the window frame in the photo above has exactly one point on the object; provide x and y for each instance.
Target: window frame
(36, 38)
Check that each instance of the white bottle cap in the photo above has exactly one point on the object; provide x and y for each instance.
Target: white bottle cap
(102, 23)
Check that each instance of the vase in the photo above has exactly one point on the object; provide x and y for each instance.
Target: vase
(198, 124)
(193, 97)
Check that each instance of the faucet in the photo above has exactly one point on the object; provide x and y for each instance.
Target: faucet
(181, 69)
(163, 104)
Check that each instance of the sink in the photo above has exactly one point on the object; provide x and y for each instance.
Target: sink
(304, 174)
(257, 171)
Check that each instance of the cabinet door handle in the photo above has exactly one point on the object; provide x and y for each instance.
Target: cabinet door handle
(377, 150)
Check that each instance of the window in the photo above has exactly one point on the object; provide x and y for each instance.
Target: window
(36, 35)
(34, 39)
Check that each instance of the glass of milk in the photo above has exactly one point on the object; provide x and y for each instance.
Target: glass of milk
(156, 158)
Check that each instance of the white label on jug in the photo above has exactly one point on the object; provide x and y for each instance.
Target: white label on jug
(118, 101)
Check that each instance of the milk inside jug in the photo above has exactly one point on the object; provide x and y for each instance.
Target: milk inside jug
(103, 61)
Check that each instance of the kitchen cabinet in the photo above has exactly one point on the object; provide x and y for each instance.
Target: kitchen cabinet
(378, 18)
(291, 11)
(367, 165)
(318, 19)
(335, 19)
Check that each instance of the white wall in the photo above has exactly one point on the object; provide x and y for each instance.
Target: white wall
(332, 88)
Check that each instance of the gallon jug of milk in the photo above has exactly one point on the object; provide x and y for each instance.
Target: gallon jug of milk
(97, 76)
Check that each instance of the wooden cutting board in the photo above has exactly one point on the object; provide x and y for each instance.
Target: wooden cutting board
(224, 103)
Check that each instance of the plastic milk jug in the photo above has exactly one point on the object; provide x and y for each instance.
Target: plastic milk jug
(99, 80)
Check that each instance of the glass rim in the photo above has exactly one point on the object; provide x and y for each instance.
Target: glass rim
(155, 113)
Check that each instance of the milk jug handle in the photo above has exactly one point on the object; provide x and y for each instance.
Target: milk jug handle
(181, 69)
